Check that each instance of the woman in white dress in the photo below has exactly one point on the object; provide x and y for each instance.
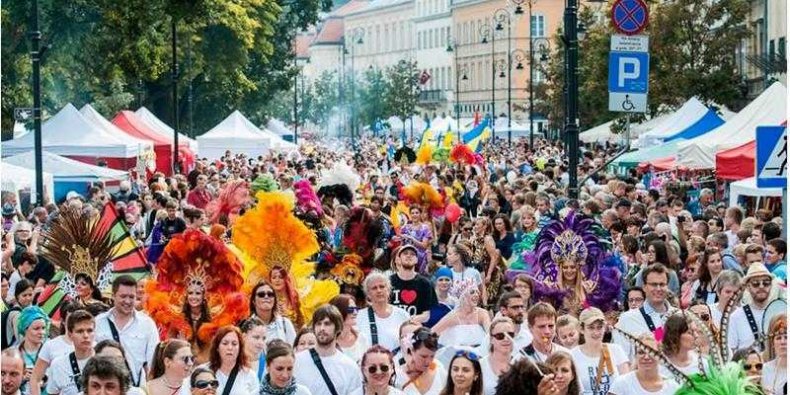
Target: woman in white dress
(229, 362)
(497, 362)
(350, 341)
(597, 363)
(774, 376)
(421, 373)
(466, 326)
(378, 373)
(646, 379)
(679, 345)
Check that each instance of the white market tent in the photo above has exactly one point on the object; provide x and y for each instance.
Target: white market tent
(767, 109)
(17, 178)
(237, 134)
(161, 128)
(101, 122)
(277, 142)
(65, 169)
(691, 111)
(69, 133)
(748, 187)
(397, 125)
(278, 127)
(599, 134)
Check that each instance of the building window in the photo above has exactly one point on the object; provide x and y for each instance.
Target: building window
(782, 48)
(538, 26)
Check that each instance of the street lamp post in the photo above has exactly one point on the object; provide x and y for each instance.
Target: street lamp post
(571, 114)
(486, 31)
(543, 44)
(460, 74)
(35, 54)
(356, 38)
(500, 16)
(176, 167)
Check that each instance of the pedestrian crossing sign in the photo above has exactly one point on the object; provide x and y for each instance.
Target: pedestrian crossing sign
(771, 157)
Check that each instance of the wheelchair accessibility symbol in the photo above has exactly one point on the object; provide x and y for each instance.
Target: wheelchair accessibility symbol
(628, 105)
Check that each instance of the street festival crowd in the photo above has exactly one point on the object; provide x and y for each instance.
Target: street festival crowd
(386, 269)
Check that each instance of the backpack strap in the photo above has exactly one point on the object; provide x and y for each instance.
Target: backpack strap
(374, 332)
(76, 375)
(605, 362)
(648, 320)
(113, 330)
(753, 325)
(231, 380)
(324, 375)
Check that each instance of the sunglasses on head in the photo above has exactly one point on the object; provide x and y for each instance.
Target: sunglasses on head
(373, 369)
(203, 384)
(468, 354)
(264, 294)
(756, 366)
(503, 335)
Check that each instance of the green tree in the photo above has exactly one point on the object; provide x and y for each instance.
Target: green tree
(371, 96)
(402, 89)
(324, 98)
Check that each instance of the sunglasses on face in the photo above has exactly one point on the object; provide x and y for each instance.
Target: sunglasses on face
(352, 309)
(759, 283)
(465, 229)
(757, 366)
(203, 384)
(188, 359)
(264, 294)
(503, 335)
(373, 369)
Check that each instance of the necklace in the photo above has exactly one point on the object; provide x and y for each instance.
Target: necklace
(170, 385)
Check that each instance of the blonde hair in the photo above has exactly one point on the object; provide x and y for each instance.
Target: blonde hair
(568, 320)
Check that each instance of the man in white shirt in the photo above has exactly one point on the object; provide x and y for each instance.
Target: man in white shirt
(65, 377)
(511, 305)
(379, 322)
(653, 313)
(135, 331)
(542, 319)
(325, 365)
(12, 367)
(747, 321)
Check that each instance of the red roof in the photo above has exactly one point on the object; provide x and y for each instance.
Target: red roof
(303, 44)
(351, 6)
(331, 32)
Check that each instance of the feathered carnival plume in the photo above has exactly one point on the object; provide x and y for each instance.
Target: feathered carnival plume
(194, 259)
(340, 182)
(226, 207)
(441, 155)
(362, 235)
(423, 194)
(306, 199)
(574, 239)
(462, 154)
(730, 379)
(78, 244)
(264, 183)
(425, 154)
(349, 270)
(405, 155)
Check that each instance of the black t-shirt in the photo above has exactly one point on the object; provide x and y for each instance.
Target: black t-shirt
(415, 295)
(44, 270)
(173, 227)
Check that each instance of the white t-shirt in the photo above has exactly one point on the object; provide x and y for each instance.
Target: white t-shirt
(691, 368)
(12, 280)
(587, 369)
(390, 391)
(54, 348)
(774, 379)
(439, 380)
(538, 356)
(387, 328)
(344, 373)
(740, 333)
(281, 328)
(628, 384)
(490, 379)
(356, 351)
(246, 382)
(61, 377)
(633, 323)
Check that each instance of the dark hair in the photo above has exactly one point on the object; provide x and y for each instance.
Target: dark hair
(331, 313)
(342, 303)
(522, 378)
(66, 308)
(28, 257)
(477, 384)
(379, 349)
(506, 220)
(464, 252)
(557, 358)
(631, 289)
(250, 323)
(22, 286)
(771, 230)
(779, 245)
(100, 346)
(77, 317)
(423, 337)
(505, 298)
(215, 360)
(278, 348)
(205, 315)
(197, 372)
(662, 255)
(630, 244)
(305, 330)
(192, 214)
(106, 368)
(123, 280)
(260, 284)
(704, 274)
(95, 291)
(167, 349)
(675, 326)
(655, 268)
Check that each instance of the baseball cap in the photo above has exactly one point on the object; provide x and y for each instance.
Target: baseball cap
(590, 315)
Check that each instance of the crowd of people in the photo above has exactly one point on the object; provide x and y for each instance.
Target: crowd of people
(382, 269)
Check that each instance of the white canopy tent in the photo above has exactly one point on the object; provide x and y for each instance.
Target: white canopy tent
(415, 122)
(767, 109)
(161, 128)
(278, 144)
(17, 178)
(237, 134)
(101, 122)
(748, 187)
(65, 169)
(691, 111)
(69, 133)
(599, 134)
(278, 127)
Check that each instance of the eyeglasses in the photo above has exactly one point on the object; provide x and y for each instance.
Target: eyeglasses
(657, 285)
(352, 309)
(373, 369)
(264, 294)
(188, 359)
(757, 366)
(203, 384)
(636, 300)
(759, 283)
(467, 229)
(503, 335)
(517, 307)
(468, 355)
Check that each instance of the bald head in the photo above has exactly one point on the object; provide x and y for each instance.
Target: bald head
(12, 368)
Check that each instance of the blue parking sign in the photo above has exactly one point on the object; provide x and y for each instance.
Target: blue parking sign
(628, 72)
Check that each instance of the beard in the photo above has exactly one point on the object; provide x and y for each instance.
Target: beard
(325, 340)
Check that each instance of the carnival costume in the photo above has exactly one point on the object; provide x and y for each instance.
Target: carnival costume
(271, 237)
(195, 259)
(340, 182)
(574, 239)
(228, 205)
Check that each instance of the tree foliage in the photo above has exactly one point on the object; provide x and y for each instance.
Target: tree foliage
(402, 88)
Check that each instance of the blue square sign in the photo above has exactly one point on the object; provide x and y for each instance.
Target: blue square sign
(771, 157)
(628, 72)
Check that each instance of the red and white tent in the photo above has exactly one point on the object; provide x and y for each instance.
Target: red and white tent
(133, 126)
(161, 128)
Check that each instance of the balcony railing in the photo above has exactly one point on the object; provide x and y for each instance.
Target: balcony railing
(433, 96)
